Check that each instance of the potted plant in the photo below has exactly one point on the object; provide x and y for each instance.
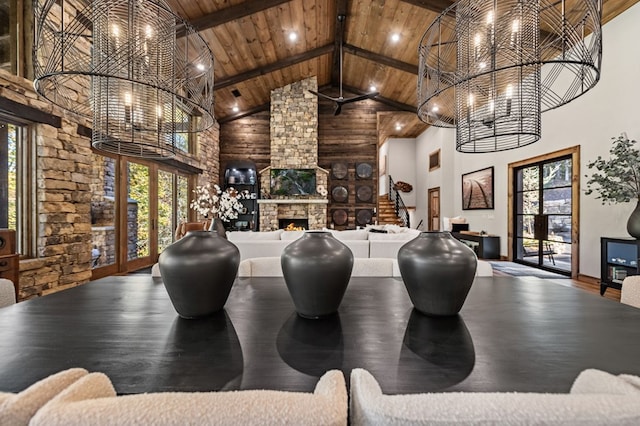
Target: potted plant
(617, 180)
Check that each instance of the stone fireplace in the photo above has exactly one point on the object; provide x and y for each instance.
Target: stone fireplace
(294, 145)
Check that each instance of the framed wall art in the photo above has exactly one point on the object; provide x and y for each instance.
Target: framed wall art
(434, 160)
(477, 189)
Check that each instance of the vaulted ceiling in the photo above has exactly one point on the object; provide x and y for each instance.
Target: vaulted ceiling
(254, 54)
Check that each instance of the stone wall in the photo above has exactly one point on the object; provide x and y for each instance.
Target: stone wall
(66, 186)
(294, 125)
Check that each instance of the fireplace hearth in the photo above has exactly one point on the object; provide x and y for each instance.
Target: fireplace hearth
(293, 224)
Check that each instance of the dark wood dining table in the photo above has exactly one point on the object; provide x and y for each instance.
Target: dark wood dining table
(512, 334)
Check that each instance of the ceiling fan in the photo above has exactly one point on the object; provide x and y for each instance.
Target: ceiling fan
(341, 100)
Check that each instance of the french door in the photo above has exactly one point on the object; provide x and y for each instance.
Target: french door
(135, 210)
(544, 215)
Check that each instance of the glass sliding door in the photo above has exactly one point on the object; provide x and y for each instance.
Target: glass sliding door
(135, 208)
(138, 215)
(544, 214)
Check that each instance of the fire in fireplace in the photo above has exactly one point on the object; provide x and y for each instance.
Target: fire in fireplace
(293, 224)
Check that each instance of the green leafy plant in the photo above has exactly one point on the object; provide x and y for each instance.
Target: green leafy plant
(617, 180)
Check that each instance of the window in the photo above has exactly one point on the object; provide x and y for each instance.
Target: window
(12, 52)
(16, 210)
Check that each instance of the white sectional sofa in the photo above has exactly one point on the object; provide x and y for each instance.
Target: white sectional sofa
(362, 242)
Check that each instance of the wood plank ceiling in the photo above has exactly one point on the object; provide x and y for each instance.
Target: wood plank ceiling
(254, 55)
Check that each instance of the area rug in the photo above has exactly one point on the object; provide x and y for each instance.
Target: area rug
(518, 270)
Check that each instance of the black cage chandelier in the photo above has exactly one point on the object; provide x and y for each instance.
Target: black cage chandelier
(489, 68)
(138, 70)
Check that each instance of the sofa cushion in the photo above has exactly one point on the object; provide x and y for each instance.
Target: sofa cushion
(369, 406)
(18, 409)
(291, 235)
(260, 267)
(92, 400)
(251, 249)
(594, 381)
(254, 236)
(349, 234)
(407, 235)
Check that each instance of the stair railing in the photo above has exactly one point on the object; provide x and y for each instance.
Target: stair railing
(400, 208)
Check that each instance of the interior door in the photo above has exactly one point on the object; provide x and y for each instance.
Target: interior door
(434, 209)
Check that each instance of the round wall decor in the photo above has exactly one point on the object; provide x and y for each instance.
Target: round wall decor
(364, 193)
(339, 170)
(339, 216)
(364, 170)
(340, 194)
(364, 217)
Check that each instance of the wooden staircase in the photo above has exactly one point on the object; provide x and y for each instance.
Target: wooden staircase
(387, 211)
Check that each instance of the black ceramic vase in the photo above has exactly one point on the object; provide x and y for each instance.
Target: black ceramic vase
(198, 271)
(437, 271)
(633, 224)
(316, 268)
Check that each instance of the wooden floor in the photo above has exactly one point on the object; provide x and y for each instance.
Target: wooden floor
(591, 287)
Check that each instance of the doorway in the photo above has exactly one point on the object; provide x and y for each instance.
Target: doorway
(434, 209)
(544, 212)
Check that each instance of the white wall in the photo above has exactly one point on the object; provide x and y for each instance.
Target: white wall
(401, 167)
(382, 180)
(610, 108)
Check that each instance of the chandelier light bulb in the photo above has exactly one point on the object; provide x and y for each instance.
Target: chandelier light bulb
(509, 91)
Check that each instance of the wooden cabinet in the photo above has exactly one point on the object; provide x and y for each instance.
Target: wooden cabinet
(618, 259)
(242, 176)
(485, 246)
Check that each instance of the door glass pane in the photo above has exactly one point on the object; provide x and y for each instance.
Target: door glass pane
(137, 211)
(557, 173)
(165, 210)
(557, 200)
(103, 211)
(530, 177)
(183, 198)
(529, 202)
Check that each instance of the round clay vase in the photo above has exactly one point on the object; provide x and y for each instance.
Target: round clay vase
(437, 271)
(633, 224)
(198, 271)
(316, 268)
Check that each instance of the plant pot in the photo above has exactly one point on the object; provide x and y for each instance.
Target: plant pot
(437, 271)
(198, 272)
(633, 223)
(316, 268)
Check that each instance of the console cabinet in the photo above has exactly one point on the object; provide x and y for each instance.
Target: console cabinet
(485, 246)
(618, 259)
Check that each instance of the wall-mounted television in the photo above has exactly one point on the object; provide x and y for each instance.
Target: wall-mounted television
(293, 181)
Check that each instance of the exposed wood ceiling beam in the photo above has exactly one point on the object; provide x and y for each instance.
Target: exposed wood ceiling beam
(437, 6)
(257, 72)
(292, 60)
(385, 60)
(259, 108)
(232, 13)
(386, 101)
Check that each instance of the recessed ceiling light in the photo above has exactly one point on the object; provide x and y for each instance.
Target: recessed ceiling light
(398, 127)
(395, 37)
(235, 108)
(293, 36)
(373, 88)
(200, 67)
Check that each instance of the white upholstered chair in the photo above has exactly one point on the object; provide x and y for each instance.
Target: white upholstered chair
(93, 400)
(7, 293)
(630, 294)
(595, 398)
